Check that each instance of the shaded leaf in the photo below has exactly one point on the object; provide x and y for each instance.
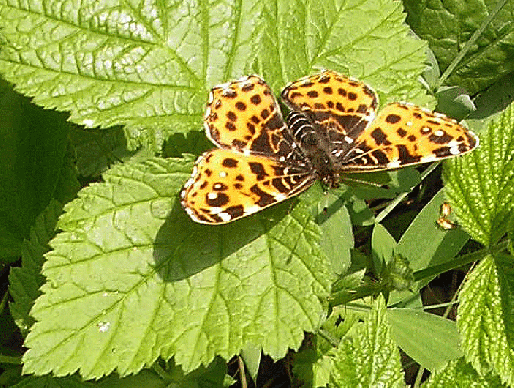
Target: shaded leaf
(35, 159)
(25, 281)
(448, 25)
(97, 149)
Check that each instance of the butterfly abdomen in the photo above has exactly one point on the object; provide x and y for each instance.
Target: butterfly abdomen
(314, 144)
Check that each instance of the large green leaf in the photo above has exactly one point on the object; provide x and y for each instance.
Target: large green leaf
(146, 65)
(139, 280)
(366, 39)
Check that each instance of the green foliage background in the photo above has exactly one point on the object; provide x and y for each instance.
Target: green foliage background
(115, 277)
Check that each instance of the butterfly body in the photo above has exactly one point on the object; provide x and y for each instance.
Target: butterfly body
(315, 147)
(332, 129)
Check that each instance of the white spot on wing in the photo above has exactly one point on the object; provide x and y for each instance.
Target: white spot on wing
(280, 197)
(454, 148)
(429, 158)
(252, 209)
(393, 164)
(225, 216)
(186, 186)
(207, 113)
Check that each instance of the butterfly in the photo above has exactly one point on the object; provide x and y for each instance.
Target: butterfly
(332, 130)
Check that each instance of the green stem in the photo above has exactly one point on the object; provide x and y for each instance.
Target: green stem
(10, 360)
(459, 261)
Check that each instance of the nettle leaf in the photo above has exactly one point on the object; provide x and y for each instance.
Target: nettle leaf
(484, 322)
(448, 25)
(131, 278)
(147, 66)
(366, 39)
(480, 185)
(460, 374)
(371, 358)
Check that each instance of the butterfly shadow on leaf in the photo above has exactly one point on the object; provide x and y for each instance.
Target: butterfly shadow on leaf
(184, 248)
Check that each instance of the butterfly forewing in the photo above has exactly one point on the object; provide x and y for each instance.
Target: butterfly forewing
(244, 116)
(337, 104)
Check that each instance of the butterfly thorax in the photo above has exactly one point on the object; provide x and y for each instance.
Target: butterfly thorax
(315, 147)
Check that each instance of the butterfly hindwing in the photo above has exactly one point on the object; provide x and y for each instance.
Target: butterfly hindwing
(227, 185)
(404, 134)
